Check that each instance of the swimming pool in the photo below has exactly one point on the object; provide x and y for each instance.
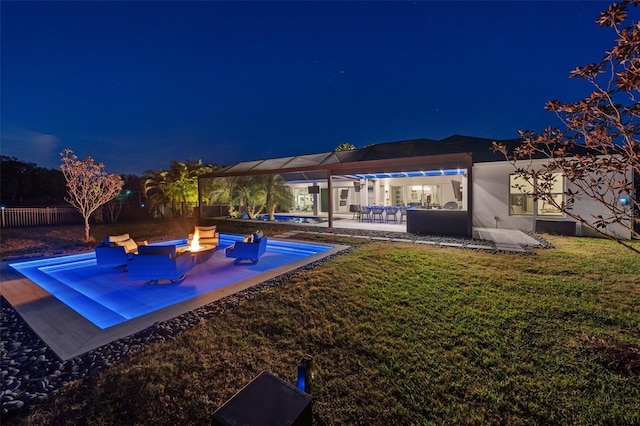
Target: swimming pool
(107, 297)
(293, 218)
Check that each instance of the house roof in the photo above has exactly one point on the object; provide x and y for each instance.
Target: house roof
(453, 152)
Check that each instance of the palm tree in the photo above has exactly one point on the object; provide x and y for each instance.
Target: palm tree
(179, 184)
(154, 187)
(251, 194)
(277, 193)
(223, 190)
(183, 185)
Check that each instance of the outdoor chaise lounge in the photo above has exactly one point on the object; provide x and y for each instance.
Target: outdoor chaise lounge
(116, 251)
(160, 263)
(250, 249)
(207, 235)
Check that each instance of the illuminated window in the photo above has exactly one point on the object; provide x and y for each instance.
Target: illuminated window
(520, 196)
(556, 191)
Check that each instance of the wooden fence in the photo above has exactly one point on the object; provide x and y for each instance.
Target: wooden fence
(38, 216)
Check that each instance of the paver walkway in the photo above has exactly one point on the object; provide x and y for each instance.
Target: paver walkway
(508, 240)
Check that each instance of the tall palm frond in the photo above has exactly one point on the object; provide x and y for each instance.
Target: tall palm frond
(277, 193)
(252, 195)
(223, 190)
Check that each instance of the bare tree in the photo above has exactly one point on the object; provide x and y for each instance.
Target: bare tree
(598, 151)
(114, 206)
(89, 186)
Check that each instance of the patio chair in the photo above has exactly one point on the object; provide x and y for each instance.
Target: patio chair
(160, 263)
(207, 235)
(376, 212)
(116, 251)
(249, 250)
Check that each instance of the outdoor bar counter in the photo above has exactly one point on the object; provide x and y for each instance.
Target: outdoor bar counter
(451, 223)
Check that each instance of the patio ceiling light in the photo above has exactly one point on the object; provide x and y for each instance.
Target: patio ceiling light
(445, 172)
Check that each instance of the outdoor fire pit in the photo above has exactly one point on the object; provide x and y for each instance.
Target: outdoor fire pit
(202, 253)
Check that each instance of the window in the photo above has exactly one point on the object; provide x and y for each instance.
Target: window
(424, 195)
(520, 196)
(556, 192)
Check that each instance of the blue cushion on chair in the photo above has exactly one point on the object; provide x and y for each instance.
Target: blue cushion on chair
(158, 263)
(169, 249)
(257, 236)
(247, 251)
(111, 256)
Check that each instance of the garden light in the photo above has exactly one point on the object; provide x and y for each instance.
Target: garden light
(304, 374)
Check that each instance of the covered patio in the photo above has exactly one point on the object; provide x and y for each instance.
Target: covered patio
(418, 186)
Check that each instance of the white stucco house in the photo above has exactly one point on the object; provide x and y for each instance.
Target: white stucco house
(446, 186)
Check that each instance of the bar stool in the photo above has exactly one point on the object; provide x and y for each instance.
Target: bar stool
(376, 212)
(392, 214)
(403, 214)
(355, 209)
(365, 214)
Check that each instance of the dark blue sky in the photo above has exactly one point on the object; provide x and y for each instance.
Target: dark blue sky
(138, 84)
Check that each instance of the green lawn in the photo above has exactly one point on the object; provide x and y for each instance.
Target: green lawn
(404, 334)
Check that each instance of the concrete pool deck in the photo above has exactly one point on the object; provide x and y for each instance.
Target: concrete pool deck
(69, 334)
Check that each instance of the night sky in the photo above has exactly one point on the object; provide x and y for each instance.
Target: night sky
(138, 84)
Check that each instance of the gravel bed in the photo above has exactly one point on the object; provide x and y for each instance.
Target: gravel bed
(30, 371)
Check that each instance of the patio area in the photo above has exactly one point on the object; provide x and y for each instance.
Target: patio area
(508, 240)
(69, 334)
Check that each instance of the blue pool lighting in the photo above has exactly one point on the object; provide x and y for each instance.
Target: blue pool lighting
(415, 173)
(293, 218)
(107, 296)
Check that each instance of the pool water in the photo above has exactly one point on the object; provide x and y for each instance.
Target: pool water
(107, 297)
(293, 218)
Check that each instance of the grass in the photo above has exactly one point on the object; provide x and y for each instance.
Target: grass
(404, 334)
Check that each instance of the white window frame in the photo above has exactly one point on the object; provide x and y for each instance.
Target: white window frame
(521, 202)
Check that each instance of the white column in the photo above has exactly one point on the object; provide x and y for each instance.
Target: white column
(376, 192)
(363, 192)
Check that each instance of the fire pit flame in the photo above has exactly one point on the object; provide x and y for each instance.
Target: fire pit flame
(195, 242)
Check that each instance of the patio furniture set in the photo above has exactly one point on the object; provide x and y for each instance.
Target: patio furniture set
(382, 214)
(389, 214)
(170, 262)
